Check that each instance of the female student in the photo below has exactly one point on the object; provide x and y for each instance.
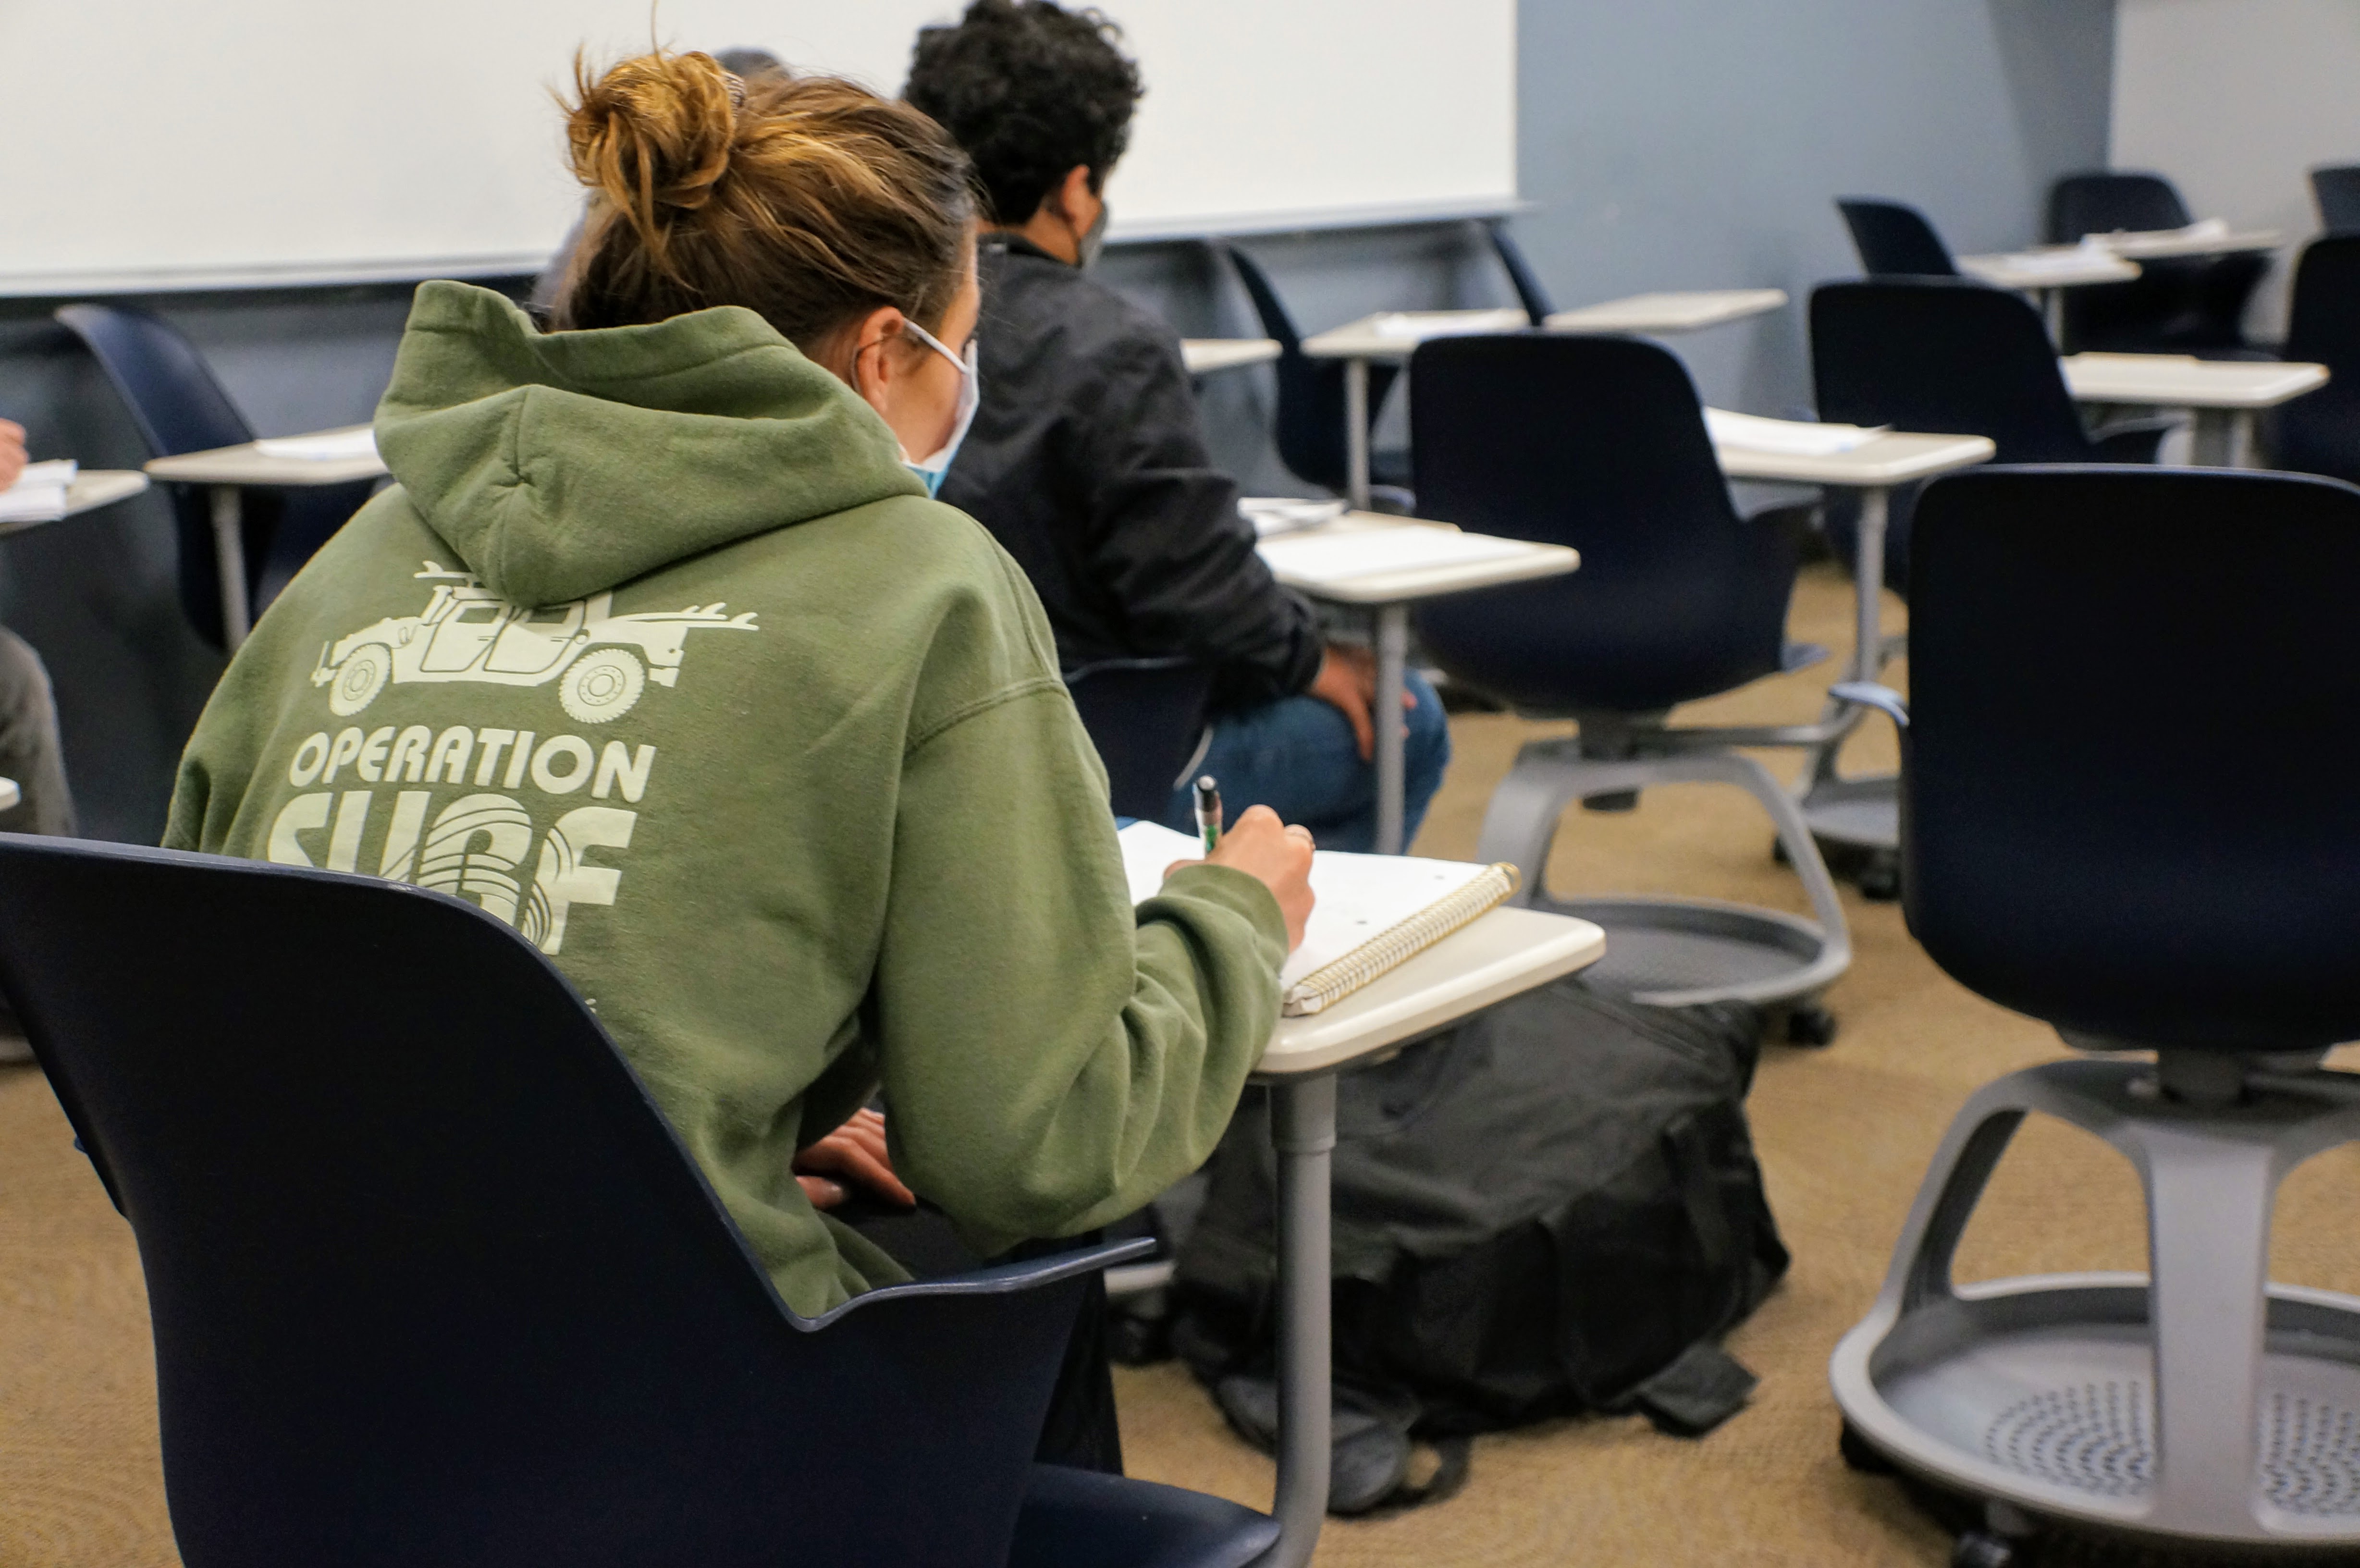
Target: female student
(660, 650)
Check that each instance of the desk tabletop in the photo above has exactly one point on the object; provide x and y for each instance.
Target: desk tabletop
(9, 794)
(2183, 381)
(1205, 355)
(1507, 951)
(2158, 243)
(247, 464)
(1396, 334)
(2053, 267)
(1684, 311)
(1331, 562)
(89, 489)
(1893, 458)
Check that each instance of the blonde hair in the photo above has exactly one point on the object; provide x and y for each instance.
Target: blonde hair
(809, 199)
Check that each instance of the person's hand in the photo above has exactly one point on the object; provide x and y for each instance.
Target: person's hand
(12, 451)
(1276, 855)
(856, 1152)
(1347, 682)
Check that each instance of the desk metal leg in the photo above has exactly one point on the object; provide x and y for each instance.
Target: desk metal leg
(229, 559)
(1356, 432)
(1861, 812)
(1303, 1129)
(1393, 655)
(2223, 437)
(2052, 314)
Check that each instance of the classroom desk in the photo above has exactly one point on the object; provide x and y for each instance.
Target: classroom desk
(90, 489)
(1396, 334)
(1388, 594)
(2223, 395)
(1863, 811)
(1205, 355)
(227, 473)
(1507, 951)
(2045, 272)
(2159, 244)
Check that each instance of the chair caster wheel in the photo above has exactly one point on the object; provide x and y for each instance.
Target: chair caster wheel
(1980, 1549)
(1810, 1024)
(1880, 879)
(1857, 1455)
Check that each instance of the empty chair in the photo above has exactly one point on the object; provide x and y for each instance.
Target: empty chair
(1956, 358)
(432, 1281)
(1311, 394)
(1894, 240)
(1599, 443)
(2319, 432)
(1146, 717)
(1529, 293)
(2177, 304)
(179, 407)
(2336, 189)
(2097, 830)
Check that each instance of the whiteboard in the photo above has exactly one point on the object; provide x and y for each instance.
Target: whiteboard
(254, 142)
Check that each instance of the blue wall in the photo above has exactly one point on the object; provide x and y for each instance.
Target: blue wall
(1666, 144)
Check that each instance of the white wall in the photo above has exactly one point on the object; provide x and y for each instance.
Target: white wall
(2235, 100)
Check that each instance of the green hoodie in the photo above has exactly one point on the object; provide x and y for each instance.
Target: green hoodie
(658, 652)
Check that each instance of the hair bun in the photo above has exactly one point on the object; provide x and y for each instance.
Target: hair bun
(655, 132)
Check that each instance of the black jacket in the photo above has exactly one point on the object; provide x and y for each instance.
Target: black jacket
(1086, 463)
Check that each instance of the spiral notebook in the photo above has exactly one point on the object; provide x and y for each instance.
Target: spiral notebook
(1373, 912)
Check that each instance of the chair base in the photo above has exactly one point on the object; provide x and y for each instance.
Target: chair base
(1670, 953)
(1857, 813)
(2063, 1399)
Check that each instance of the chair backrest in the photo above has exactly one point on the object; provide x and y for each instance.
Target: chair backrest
(432, 1279)
(2319, 431)
(1146, 716)
(1597, 442)
(1943, 356)
(172, 396)
(2128, 796)
(2099, 201)
(2336, 189)
(1310, 432)
(1894, 240)
(1527, 283)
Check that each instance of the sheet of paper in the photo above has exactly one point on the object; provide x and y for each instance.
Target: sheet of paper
(329, 446)
(1791, 437)
(1366, 552)
(39, 494)
(1416, 326)
(1273, 514)
(1358, 896)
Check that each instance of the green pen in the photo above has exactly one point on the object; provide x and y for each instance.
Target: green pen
(1209, 811)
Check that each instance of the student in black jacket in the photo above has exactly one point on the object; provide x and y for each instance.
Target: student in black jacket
(1086, 459)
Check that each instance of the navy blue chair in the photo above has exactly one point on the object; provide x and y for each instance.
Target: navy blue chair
(2319, 431)
(1599, 443)
(2336, 189)
(2124, 813)
(1894, 240)
(179, 407)
(1953, 357)
(2177, 304)
(1530, 294)
(432, 1279)
(1146, 717)
(1310, 432)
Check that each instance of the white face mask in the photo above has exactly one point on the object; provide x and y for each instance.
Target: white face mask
(932, 469)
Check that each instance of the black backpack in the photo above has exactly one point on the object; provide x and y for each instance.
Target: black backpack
(1550, 1209)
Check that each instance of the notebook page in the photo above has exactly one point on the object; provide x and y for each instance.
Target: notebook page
(1358, 896)
(1366, 552)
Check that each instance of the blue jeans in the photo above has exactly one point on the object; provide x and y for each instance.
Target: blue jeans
(1297, 757)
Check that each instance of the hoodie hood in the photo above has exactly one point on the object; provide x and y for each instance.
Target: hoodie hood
(558, 464)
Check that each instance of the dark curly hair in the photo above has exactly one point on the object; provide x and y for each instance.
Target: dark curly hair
(1030, 89)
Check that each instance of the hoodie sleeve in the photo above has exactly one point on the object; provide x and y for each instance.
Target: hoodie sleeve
(1050, 1059)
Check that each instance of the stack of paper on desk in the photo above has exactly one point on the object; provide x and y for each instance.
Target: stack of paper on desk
(1790, 437)
(1273, 515)
(39, 494)
(328, 446)
(1374, 911)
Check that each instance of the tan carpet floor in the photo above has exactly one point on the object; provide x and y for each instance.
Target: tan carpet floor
(1844, 1135)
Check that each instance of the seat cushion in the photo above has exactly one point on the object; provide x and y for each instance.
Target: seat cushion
(1080, 1518)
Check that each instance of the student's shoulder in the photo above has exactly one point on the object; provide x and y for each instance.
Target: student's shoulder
(1090, 321)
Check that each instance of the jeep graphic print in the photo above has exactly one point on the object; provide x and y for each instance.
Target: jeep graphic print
(487, 842)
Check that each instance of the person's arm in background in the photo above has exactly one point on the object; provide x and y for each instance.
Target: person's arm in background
(1051, 1059)
(12, 451)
